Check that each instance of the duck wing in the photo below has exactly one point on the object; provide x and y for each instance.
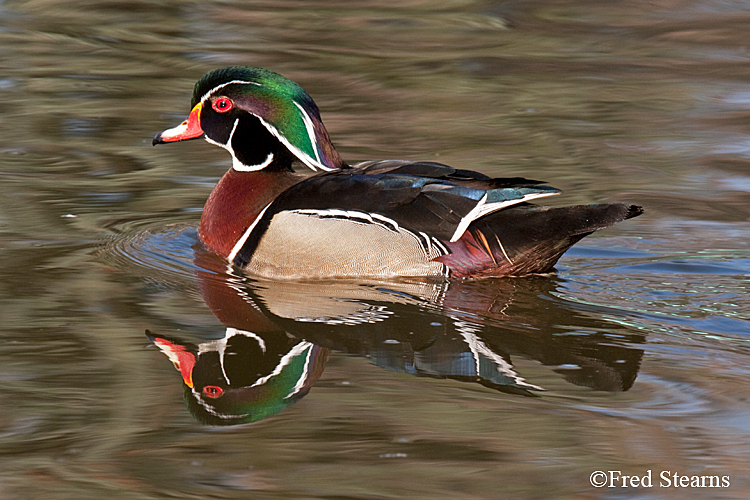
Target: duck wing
(423, 197)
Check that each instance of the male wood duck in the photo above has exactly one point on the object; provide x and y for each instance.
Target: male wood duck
(378, 219)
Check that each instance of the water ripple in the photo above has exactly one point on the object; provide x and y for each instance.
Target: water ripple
(159, 251)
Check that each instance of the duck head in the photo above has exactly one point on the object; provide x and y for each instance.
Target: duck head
(263, 119)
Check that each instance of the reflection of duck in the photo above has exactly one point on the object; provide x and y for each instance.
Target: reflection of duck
(279, 335)
(253, 371)
(377, 219)
(462, 330)
(244, 377)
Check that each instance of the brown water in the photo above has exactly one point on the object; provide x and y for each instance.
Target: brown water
(632, 358)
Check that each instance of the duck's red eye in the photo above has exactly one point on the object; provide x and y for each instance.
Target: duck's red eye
(222, 105)
(212, 391)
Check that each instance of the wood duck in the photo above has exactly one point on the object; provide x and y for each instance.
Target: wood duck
(375, 219)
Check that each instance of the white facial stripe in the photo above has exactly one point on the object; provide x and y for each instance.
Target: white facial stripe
(241, 167)
(236, 163)
(231, 134)
(228, 145)
(229, 140)
(310, 129)
(303, 157)
(242, 82)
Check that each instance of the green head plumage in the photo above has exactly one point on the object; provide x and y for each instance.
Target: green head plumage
(282, 106)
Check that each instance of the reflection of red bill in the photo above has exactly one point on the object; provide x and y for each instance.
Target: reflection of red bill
(189, 129)
(180, 357)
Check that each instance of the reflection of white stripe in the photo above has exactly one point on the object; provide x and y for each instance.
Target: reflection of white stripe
(238, 246)
(288, 357)
(220, 346)
(303, 378)
(231, 332)
(207, 406)
(479, 349)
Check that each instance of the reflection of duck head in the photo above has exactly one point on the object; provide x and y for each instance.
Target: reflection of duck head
(243, 377)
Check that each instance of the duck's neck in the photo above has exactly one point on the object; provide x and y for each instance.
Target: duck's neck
(235, 203)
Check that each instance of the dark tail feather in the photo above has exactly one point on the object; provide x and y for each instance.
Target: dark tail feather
(527, 239)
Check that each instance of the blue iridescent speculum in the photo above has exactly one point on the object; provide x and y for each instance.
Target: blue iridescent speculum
(283, 107)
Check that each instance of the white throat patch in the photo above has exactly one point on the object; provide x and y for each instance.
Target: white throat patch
(236, 163)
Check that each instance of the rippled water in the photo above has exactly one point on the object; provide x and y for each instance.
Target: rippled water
(631, 358)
